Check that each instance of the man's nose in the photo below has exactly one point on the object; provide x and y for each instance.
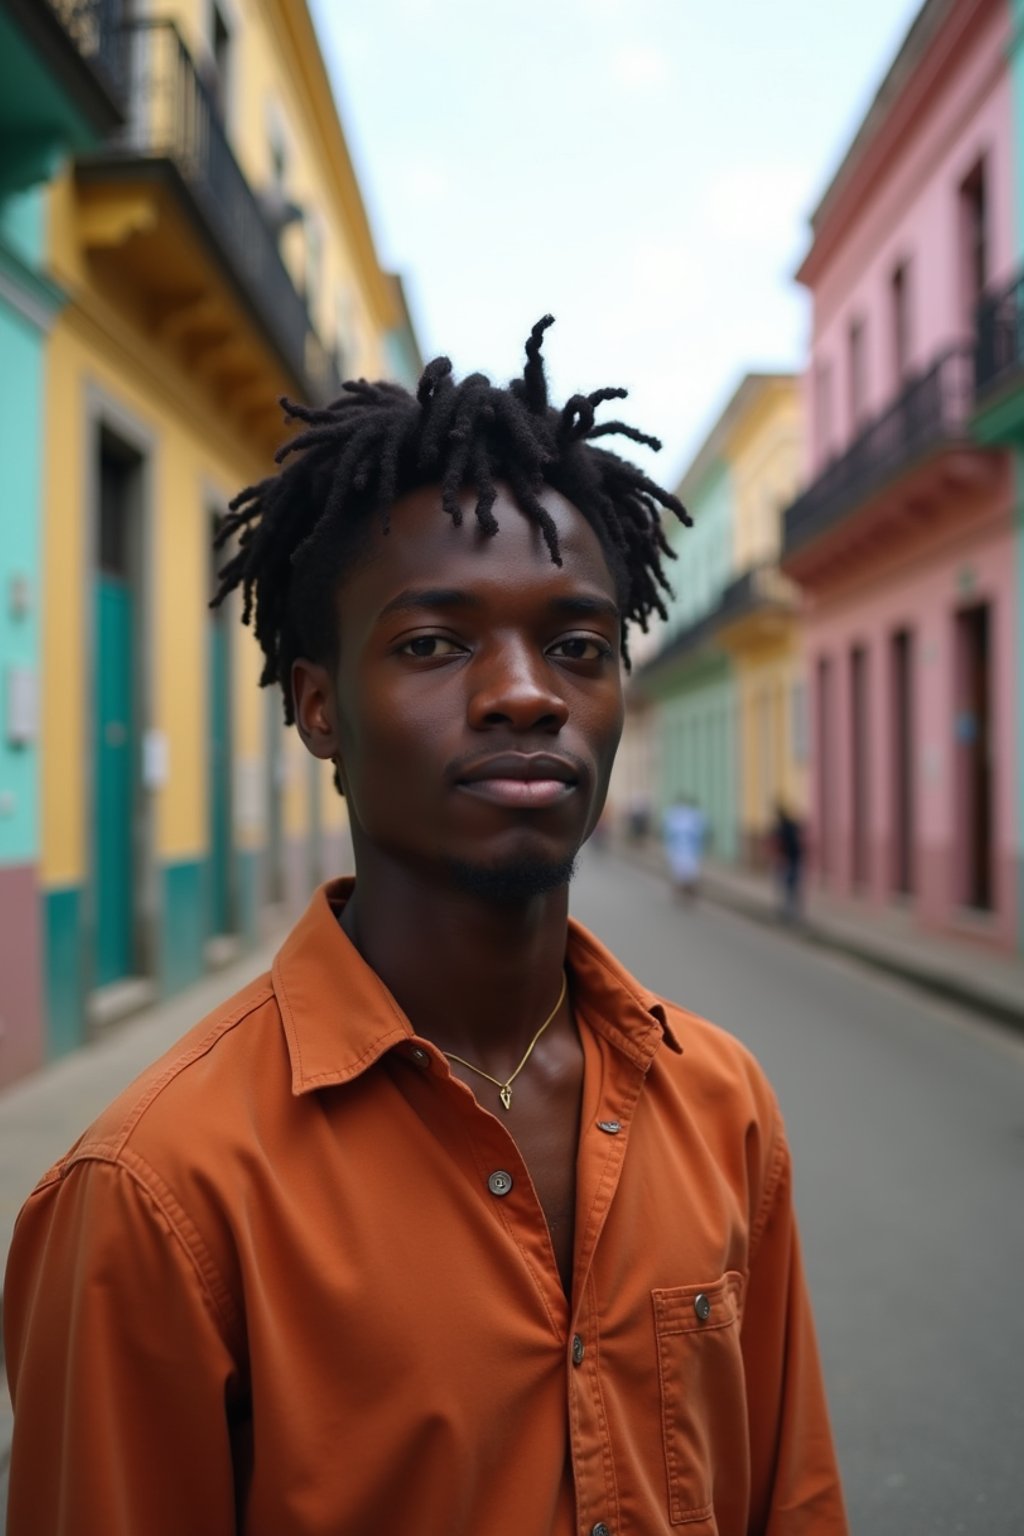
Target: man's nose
(514, 687)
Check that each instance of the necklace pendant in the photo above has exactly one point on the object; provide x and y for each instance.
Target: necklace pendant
(505, 1095)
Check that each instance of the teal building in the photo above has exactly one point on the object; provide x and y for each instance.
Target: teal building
(58, 93)
(690, 680)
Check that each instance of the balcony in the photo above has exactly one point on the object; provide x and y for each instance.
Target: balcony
(928, 418)
(999, 364)
(167, 214)
(761, 590)
(62, 82)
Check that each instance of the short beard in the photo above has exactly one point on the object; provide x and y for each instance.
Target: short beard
(511, 884)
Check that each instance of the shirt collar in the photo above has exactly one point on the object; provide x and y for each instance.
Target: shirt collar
(339, 1017)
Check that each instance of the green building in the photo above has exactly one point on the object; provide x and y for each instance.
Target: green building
(59, 92)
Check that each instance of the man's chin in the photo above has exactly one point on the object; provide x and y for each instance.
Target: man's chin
(512, 882)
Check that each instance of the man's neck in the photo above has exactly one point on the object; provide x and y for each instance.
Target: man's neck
(474, 976)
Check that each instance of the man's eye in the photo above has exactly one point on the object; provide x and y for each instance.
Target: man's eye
(429, 647)
(580, 648)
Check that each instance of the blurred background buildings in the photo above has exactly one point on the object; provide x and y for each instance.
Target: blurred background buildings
(183, 238)
(847, 635)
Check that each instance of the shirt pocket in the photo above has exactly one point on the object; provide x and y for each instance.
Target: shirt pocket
(703, 1393)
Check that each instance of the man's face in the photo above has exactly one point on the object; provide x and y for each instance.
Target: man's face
(476, 706)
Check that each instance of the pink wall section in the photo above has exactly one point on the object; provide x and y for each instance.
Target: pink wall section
(969, 561)
(909, 213)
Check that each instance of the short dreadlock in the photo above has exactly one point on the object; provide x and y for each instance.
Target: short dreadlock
(301, 528)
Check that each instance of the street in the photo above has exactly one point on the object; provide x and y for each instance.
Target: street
(906, 1119)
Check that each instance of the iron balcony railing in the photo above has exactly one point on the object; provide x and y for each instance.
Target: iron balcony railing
(97, 30)
(174, 121)
(1000, 337)
(932, 410)
(762, 586)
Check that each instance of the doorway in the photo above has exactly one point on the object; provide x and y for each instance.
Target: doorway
(974, 775)
(116, 742)
(219, 760)
(903, 767)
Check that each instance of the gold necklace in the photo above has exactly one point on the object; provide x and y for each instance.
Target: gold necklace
(505, 1088)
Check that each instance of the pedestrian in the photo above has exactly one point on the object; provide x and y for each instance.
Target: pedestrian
(684, 833)
(447, 1224)
(789, 857)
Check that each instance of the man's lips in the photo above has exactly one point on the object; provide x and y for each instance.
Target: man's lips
(524, 780)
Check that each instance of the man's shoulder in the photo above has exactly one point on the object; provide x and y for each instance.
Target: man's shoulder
(715, 1058)
(190, 1088)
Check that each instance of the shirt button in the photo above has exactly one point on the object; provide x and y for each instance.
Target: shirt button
(499, 1182)
(702, 1306)
(578, 1349)
(419, 1056)
(600, 1529)
(610, 1127)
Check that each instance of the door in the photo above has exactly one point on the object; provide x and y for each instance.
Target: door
(974, 756)
(219, 771)
(115, 746)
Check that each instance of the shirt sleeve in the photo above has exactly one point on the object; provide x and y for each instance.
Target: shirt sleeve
(795, 1484)
(119, 1369)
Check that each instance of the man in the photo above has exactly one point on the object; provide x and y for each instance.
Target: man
(447, 1225)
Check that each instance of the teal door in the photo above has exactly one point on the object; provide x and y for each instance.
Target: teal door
(275, 793)
(114, 776)
(219, 787)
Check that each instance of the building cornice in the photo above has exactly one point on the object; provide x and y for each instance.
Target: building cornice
(932, 46)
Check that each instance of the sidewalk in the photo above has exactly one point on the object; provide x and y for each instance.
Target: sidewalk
(954, 968)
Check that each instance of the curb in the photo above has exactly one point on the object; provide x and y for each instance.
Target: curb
(951, 988)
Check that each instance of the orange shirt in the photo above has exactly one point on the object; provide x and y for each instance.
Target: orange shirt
(296, 1282)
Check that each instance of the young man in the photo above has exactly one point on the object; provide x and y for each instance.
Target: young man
(447, 1225)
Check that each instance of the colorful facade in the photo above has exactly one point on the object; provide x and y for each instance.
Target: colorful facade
(999, 403)
(57, 96)
(904, 541)
(215, 254)
(712, 710)
(757, 621)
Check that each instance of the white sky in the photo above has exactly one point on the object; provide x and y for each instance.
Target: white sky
(642, 169)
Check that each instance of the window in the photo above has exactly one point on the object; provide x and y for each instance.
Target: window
(899, 299)
(823, 412)
(314, 263)
(858, 376)
(973, 238)
(220, 58)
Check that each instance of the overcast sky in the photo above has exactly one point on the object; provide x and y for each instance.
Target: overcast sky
(642, 169)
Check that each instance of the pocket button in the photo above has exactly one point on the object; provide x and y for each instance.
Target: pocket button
(702, 1306)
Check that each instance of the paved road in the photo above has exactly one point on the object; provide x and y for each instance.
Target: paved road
(907, 1124)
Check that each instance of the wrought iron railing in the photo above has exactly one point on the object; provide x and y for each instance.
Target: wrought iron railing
(933, 409)
(173, 117)
(97, 29)
(1000, 337)
(761, 586)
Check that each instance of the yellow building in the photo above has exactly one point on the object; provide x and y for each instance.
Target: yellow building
(757, 623)
(215, 254)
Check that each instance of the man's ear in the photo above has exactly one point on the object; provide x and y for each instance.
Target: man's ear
(314, 708)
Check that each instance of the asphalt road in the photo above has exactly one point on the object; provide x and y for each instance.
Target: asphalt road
(906, 1118)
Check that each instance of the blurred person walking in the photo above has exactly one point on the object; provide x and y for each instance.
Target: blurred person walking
(788, 848)
(684, 834)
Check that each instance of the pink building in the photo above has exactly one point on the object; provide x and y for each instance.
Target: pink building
(903, 541)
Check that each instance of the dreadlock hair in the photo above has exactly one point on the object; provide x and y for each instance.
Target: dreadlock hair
(300, 529)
